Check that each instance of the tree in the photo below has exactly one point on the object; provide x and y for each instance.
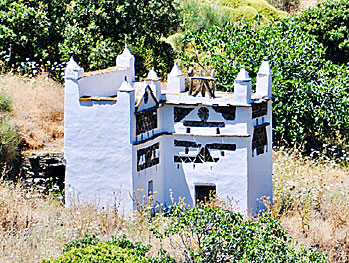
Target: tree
(94, 32)
(306, 110)
(329, 23)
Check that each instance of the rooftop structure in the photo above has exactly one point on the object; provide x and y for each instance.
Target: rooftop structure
(127, 140)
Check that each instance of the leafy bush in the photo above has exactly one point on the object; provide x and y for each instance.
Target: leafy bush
(91, 249)
(329, 23)
(199, 14)
(9, 140)
(5, 103)
(39, 35)
(212, 234)
(306, 110)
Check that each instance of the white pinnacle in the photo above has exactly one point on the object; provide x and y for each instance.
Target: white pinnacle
(72, 64)
(243, 75)
(265, 68)
(126, 52)
(176, 71)
(152, 75)
(125, 86)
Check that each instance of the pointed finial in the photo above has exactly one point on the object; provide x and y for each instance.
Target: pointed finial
(125, 86)
(126, 52)
(243, 75)
(72, 64)
(265, 67)
(152, 75)
(176, 71)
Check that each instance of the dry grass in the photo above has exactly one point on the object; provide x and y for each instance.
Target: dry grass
(33, 227)
(38, 110)
(310, 200)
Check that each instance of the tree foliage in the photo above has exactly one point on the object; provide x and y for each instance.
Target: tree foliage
(329, 23)
(94, 32)
(212, 234)
(306, 109)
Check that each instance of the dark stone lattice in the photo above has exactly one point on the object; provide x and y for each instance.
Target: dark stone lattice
(146, 121)
(203, 113)
(180, 113)
(204, 124)
(147, 157)
(204, 154)
(260, 139)
(259, 109)
(186, 144)
(221, 146)
(228, 112)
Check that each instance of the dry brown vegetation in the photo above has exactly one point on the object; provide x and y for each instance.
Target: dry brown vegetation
(310, 200)
(38, 110)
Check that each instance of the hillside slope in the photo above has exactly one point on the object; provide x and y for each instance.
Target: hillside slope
(38, 110)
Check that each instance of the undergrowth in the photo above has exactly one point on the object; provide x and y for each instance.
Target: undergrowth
(309, 202)
(37, 109)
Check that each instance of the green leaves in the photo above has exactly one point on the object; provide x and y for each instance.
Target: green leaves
(9, 140)
(329, 23)
(212, 234)
(91, 249)
(306, 110)
(93, 32)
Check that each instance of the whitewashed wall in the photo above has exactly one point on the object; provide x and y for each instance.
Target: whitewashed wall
(260, 169)
(97, 147)
(228, 174)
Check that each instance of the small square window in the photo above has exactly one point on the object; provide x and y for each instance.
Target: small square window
(150, 188)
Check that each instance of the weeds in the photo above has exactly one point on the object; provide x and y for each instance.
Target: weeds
(38, 110)
(310, 202)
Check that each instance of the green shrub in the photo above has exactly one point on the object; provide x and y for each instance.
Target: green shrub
(306, 110)
(212, 234)
(9, 141)
(9, 137)
(329, 23)
(91, 249)
(199, 14)
(5, 103)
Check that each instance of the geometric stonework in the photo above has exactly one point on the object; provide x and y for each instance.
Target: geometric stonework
(259, 109)
(228, 112)
(203, 113)
(260, 139)
(147, 157)
(203, 156)
(180, 113)
(204, 153)
(221, 146)
(146, 120)
(204, 124)
(186, 144)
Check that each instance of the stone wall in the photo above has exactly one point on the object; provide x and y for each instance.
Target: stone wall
(45, 171)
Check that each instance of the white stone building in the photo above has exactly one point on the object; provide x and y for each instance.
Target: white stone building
(126, 140)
